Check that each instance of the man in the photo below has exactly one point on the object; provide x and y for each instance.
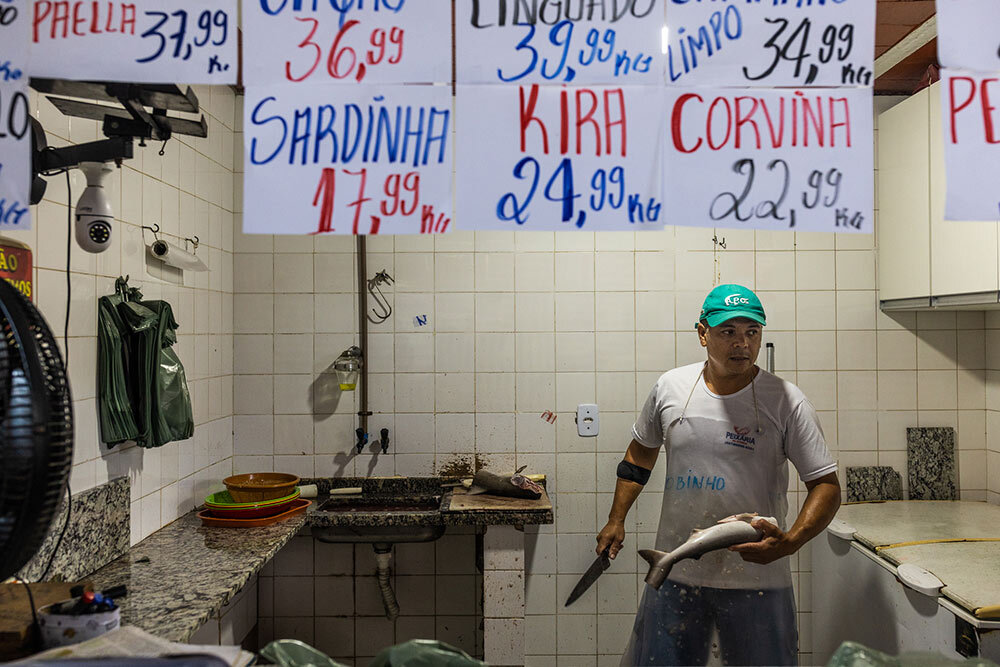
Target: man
(728, 428)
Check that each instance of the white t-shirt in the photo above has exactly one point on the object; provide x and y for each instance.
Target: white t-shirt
(724, 459)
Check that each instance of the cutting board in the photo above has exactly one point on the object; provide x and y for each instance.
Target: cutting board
(484, 502)
(967, 570)
(895, 522)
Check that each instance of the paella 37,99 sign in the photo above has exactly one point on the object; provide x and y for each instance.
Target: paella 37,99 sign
(142, 41)
(350, 41)
(325, 159)
(800, 160)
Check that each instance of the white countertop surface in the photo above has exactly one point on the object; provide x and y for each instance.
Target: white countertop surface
(912, 531)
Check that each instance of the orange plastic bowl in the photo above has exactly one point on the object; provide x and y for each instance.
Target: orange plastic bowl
(255, 487)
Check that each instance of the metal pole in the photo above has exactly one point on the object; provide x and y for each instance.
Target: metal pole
(363, 330)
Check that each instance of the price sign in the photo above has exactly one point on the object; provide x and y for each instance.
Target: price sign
(970, 113)
(143, 41)
(15, 139)
(325, 159)
(798, 43)
(380, 41)
(968, 36)
(771, 159)
(536, 157)
(578, 41)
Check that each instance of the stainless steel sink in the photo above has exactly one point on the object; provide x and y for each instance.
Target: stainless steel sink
(378, 534)
(381, 519)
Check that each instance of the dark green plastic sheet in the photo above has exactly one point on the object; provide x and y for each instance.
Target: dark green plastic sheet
(142, 389)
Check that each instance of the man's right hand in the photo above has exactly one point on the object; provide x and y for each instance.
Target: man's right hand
(612, 535)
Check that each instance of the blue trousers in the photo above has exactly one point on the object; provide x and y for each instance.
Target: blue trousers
(674, 626)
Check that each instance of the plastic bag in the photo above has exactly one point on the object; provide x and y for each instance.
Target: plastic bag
(853, 654)
(293, 653)
(143, 394)
(424, 653)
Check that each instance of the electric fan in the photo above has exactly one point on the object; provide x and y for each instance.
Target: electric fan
(36, 430)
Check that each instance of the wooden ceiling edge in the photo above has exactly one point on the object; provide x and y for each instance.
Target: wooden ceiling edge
(898, 52)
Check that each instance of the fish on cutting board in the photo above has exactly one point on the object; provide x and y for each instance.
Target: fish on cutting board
(732, 530)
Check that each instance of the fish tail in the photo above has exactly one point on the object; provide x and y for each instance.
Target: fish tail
(659, 566)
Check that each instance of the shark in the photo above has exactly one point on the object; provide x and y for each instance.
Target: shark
(732, 530)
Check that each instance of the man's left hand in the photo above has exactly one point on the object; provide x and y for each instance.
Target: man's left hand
(774, 544)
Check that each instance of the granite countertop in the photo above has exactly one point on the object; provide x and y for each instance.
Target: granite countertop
(193, 570)
(191, 573)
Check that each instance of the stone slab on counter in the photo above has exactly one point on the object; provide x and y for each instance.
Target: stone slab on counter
(867, 483)
(191, 572)
(98, 532)
(930, 463)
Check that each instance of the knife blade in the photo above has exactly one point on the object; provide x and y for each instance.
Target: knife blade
(595, 570)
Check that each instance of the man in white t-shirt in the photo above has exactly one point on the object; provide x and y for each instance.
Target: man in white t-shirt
(729, 429)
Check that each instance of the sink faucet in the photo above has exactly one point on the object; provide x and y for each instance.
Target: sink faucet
(385, 439)
(362, 439)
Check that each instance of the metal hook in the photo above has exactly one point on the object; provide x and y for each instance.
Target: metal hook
(163, 149)
(716, 241)
(155, 228)
(376, 293)
(194, 241)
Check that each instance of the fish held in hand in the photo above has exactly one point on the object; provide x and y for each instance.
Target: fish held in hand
(732, 530)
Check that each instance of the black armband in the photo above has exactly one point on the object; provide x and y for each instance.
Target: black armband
(630, 472)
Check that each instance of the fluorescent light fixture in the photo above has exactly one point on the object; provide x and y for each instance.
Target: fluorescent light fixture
(664, 39)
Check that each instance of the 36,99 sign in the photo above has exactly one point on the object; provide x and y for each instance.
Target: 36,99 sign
(325, 159)
(536, 157)
(786, 159)
(142, 41)
(350, 41)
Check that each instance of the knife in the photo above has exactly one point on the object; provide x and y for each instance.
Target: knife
(596, 569)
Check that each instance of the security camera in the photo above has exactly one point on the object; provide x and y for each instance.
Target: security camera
(94, 214)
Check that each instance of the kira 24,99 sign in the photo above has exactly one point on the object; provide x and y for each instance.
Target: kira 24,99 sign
(142, 41)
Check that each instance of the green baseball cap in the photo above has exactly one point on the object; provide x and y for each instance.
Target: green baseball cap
(728, 301)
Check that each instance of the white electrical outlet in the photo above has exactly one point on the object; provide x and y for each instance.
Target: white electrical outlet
(587, 420)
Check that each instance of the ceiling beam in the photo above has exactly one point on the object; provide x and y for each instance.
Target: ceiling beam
(899, 51)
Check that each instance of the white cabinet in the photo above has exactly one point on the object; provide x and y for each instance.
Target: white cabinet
(925, 261)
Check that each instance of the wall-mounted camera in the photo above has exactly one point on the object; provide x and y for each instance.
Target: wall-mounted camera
(97, 159)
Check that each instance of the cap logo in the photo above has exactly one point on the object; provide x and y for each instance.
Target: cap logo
(736, 300)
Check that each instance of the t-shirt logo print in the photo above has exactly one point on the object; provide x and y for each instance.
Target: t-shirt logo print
(740, 437)
(736, 300)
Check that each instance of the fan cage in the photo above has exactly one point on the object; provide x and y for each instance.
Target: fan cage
(36, 429)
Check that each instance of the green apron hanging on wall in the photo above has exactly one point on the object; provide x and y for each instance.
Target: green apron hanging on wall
(143, 394)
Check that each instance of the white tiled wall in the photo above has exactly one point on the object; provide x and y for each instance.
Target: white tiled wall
(188, 192)
(327, 596)
(519, 324)
(992, 468)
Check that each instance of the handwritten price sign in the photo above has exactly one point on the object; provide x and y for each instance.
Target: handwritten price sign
(971, 124)
(326, 159)
(536, 157)
(796, 43)
(378, 41)
(189, 41)
(968, 34)
(771, 159)
(608, 41)
(15, 141)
